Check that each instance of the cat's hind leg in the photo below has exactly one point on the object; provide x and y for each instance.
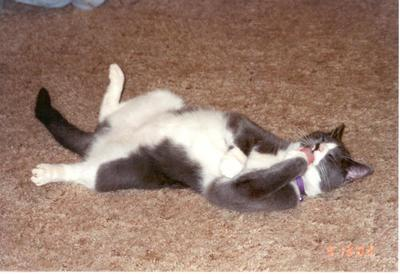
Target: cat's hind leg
(113, 93)
(82, 173)
(143, 108)
(136, 110)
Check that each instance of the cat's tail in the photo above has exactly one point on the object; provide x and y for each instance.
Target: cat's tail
(68, 135)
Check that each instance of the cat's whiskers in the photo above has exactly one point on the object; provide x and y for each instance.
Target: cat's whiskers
(300, 133)
(304, 139)
(325, 175)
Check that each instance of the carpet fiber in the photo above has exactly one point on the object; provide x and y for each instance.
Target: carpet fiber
(291, 66)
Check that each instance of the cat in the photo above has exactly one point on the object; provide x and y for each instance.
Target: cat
(154, 141)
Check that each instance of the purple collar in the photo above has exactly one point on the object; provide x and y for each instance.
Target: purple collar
(300, 185)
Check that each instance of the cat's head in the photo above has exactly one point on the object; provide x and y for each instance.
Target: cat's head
(333, 160)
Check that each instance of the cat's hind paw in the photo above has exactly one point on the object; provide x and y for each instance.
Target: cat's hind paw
(116, 75)
(44, 173)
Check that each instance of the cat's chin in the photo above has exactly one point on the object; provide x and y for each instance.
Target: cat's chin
(312, 181)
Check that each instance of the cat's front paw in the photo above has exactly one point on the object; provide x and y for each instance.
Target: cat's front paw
(230, 167)
(297, 154)
(115, 74)
(43, 174)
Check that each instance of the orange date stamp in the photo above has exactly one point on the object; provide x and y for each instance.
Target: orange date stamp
(350, 250)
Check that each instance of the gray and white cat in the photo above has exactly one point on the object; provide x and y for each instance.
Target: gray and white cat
(154, 141)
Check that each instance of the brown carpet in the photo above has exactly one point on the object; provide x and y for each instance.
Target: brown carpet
(289, 65)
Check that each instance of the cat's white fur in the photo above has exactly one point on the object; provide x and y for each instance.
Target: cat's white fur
(147, 119)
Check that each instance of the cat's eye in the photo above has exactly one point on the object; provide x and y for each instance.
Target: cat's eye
(330, 158)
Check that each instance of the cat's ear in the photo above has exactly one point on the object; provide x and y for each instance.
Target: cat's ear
(337, 133)
(356, 170)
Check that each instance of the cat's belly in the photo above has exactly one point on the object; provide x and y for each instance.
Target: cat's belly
(203, 136)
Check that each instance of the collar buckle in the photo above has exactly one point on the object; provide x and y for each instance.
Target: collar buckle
(300, 185)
